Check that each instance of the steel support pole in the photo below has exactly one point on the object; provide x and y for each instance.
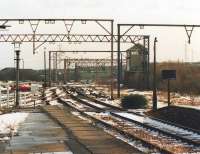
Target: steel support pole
(49, 68)
(75, 74)
(45, 70)
(96, 73)
(56, 68)
(65, 67)
(118, 62)
(33, 42)
(22, 71)
(148, 63)
(67, 70)
(154, 78)
(121, 68)
(168, 91)
(17, 77)
(112, 77)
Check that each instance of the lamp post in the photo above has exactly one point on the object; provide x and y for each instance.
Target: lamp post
(17, 77)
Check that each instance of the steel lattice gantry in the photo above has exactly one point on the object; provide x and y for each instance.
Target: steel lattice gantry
(188, 29)
(86, 64)
(81, 62)
(37, 38)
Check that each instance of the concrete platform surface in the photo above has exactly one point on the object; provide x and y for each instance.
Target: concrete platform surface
(94, 140)
(39, 134)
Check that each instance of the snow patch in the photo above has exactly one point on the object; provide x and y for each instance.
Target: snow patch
(55, 102)
(68, 152)
(161, 125)
(10, 122)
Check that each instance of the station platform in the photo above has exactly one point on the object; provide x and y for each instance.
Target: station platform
(84, 138)
(38, 134)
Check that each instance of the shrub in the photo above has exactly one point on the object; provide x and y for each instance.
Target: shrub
(134, 101)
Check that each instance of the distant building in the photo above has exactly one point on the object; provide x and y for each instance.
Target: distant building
(137, 70)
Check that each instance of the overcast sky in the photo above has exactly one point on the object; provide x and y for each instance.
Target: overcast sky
(126, 10)
(122, 11)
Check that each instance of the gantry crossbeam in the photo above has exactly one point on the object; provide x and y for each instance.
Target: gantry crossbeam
(91, 62)
(68, 38)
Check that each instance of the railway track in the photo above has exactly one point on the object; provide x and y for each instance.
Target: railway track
(167, 123)
(136, 113)
(150, 135)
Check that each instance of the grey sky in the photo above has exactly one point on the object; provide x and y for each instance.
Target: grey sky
(122, 11)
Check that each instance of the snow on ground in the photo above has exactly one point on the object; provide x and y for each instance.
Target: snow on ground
(176, 98)
(62, 95)
(103, 116)
(54, 102)
(160, 125)
(47, 94)
(95, 104)
(58, 91)
(49, 98)
(161, 104)
(189, 106)
(9, 122)
(115, 102)
(67, 152)
(52, 88)
(74, 103)
(32, 103)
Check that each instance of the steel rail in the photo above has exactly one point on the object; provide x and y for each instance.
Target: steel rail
(193, 142)
(111, 127)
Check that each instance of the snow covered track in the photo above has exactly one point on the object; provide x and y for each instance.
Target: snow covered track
(166, 129)
(170, 130)
(149, 138)
(185, 134)
(146, 129)
(95, 102)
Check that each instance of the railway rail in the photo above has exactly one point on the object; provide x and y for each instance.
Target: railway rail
(150, 135)
(136, 113)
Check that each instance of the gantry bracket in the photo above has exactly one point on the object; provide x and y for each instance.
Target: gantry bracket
(34, 25)
(189, 30)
